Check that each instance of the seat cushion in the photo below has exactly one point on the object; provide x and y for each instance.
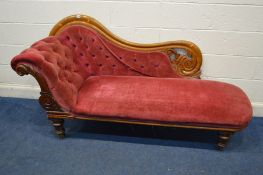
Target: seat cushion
(175, 100)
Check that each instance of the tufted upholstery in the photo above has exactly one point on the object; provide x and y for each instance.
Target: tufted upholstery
(96, 55)
(56, 63)
(69, 58)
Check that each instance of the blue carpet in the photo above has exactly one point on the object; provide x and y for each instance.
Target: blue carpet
(28, 147)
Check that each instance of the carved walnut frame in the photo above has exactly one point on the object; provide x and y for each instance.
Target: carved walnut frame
(185, 58)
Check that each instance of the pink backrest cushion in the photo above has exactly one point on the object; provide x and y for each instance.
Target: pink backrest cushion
(97, 55)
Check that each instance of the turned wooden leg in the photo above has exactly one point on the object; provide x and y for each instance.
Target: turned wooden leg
(58, 124)
(223, 138)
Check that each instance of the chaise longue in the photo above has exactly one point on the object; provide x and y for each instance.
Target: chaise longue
(86, 72)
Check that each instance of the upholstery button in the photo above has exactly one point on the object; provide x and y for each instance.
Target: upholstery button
(142, 66)
(87, 64)
(59, 64)
(99, 65)
(92, 39)
(113, 65)
(134, 60)
(81, 54)
(93, 55)
(100, 48)
(74, 45)
(107, 56)
(120, 57)
(67, 37)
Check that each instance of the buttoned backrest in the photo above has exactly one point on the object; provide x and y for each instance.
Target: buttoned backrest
(97, 55)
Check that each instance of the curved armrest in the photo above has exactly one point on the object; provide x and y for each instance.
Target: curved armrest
(52, 64)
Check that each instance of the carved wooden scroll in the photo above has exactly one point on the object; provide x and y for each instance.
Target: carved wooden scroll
(46, 99)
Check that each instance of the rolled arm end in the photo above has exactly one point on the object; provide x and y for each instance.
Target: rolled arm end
(22, 70)
(46, 60)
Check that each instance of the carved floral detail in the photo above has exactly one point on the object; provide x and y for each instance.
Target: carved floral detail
(46, 99)
(183, 62)
(48, 102)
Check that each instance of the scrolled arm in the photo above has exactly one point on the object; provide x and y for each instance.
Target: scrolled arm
(46, 99)
(51, 64)
(22, 70)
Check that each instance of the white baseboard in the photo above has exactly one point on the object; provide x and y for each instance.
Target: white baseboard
(32, 92)
(257, 109)
(19, 91)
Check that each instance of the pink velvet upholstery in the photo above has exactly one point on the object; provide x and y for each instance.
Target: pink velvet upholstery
(164, 99)
(79, 52)
(98, 56)
(89, 75)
